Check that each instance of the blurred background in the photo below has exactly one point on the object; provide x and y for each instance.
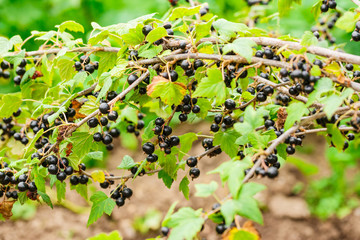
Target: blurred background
(315, 196)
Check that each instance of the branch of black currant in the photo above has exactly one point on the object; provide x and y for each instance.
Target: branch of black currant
(357, 2)
(87, 91)
(324, 52)
(317, 130)
(285, 91)
(201, 155)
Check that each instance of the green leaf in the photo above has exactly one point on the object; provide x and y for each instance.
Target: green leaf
(205, 190)
(183, 11)
(285, 5)
(247, 207)
(336, 136)
(212, 86)
(228, 210)
(83, 143)
(226, 140)
(156, 34)
(98, 155)
(168, 162)
(205, 106)
(185, 224)
(60, 190)
(295, 112)
(250, 189)
(334, 101)
(30, 146)
(305, 168)
(107, 61)
(66, 69)
(245, 235)
(150, 51)
(114, 235)
(167, 179)
(80, 189)
(127, 163)
(308, 39)
(347, 21)
(5, 45)
(9, 103)
(45, 197)
(71, 26)
(186, 141)
(169, 92)
(105, 83)
(315, 9)
(101, 204)
(134, 36)
(228, 30)
(184, 187)
(16, 59)
(203, 29)
(89, 106)
(241, 46)
(315, 71)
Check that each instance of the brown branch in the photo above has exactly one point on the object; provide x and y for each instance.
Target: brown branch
(285, 91)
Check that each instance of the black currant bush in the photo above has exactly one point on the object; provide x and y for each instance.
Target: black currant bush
(262, 94)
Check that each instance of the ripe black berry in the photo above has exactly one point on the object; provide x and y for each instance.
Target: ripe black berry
(127, 192)
(148, 148)
(74, 180)
(132, 78)
(113, 115)
(183, 117)
(261, 97)
(84, 179)
(104, 108)
(97, 137)
(174, 140)
(191, 161)
(218, 118)
(272, 172)
(147, 29)
(230, 104)
(22, 186)
(84, 59)
(53, 169)
(290, 150)
(165, 231)
(159, 121)
(120, 202)
(185, 65)
(61, 176)
(107, 139)
(69, 170)
(152, 158)
(32, 187)
(220, 228)
(93, 122)
(194, 173)
(167, 130)
(214, 127)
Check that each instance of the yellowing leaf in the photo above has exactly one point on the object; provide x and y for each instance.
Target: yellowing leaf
(71, 26)
(98, 176)
(169, 92)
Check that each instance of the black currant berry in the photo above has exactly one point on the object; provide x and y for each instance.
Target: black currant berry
(93, 122)
(148, 148)
(104, 108)
(272, 172)
(194, 173)
(191, 161)
(113, 115)
(147, 29)
(74, 180)
(120, 202)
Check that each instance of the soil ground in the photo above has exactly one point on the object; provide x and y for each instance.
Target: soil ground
(286, 217)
